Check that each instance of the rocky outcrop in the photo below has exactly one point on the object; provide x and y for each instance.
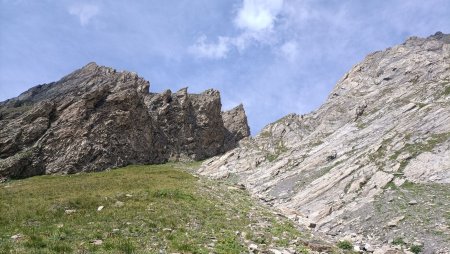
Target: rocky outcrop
(384, 129)
(97, 118)
(235, 122)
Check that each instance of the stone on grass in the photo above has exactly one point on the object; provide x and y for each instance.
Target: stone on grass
(96, 242)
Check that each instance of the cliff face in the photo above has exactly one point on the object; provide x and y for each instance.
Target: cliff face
(377, 150)
(97, 118)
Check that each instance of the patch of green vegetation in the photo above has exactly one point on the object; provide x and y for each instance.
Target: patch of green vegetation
(230, 244)
(414, 149)
(146, 209)
(302, 250)
(345, 245)
(415, 249)
(378, 157)
(126, 246)
(265, 134)
(409, 185)
(281, 148)
(172, 194)
(447, 89)
(361, 125)
(447, 218)
(390, 185)
(398, 241)
(281, 230)
(271, 157)
(421, 105)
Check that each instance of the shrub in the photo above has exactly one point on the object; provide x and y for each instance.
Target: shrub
(345, 245)
(416, 249)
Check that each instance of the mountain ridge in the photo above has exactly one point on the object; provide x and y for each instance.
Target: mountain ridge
(385, 125)
(97, 118)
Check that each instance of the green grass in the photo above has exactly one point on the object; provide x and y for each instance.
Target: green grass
(265, 134)
(281, 148)
(414, 149)
(390, 185)
(416, 249)
(271, 157)
(447, 90)
(146, 209)
(398, 241)
(345, 245)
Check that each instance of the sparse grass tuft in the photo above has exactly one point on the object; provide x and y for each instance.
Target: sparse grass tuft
(398, 241)
(414, 149)
(391, 185)
(279, 150)
(345, 245)
(265, 134)
(447, 91)
(416, 249)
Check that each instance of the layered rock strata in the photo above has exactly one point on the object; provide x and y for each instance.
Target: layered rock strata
(384, 129)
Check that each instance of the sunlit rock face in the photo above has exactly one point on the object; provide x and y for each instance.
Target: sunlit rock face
(386, 122)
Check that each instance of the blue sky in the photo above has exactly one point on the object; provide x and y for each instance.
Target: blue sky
(274, 56)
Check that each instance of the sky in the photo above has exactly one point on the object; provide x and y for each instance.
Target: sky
(274, 56)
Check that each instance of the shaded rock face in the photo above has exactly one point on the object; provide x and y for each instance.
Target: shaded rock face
(97, 118)
(386, 123)
(187, 125)
(235, 122)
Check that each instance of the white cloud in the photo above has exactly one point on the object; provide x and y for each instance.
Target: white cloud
(255, 19)
(85, 12)
(210, 50)
(257, 15)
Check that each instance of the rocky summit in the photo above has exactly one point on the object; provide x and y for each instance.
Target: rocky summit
(98, 118)
(372, 164)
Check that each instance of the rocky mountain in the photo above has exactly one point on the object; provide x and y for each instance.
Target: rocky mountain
(97, 118)
(372, 164)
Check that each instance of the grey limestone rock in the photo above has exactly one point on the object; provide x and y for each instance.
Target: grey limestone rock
(386, 123)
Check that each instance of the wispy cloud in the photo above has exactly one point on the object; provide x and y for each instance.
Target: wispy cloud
(85, 12)
(255, 20)
(216, 50)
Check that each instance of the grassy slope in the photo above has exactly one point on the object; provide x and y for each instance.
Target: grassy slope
(146, 209)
